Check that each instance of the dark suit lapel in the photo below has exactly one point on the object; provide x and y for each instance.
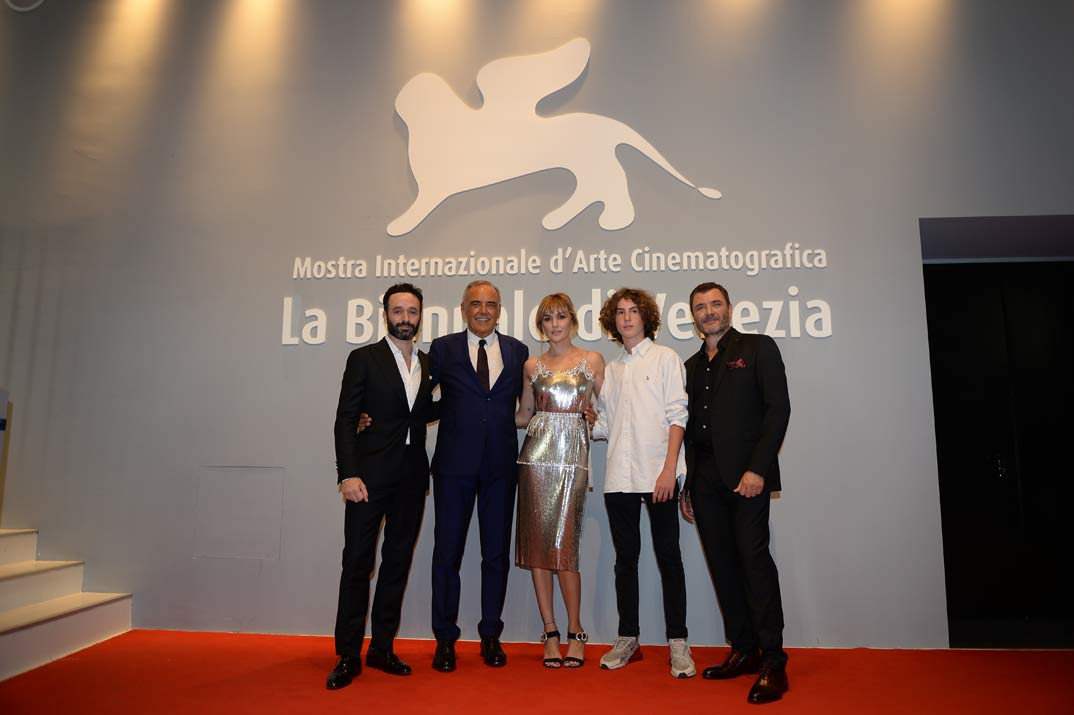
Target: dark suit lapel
(423, 358)
(725, 355)
(386, 360)
(505, 355)
(424, 362)
(463, 346)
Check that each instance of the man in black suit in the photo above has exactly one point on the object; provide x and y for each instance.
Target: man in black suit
(383, 475)
(479, 371)
(739, 410)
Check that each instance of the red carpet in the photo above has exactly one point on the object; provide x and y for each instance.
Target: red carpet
(171, 671)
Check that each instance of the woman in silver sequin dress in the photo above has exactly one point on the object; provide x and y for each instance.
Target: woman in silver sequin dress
(553, 471)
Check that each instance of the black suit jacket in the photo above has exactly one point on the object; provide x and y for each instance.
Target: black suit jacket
(749, 412)
(372, 384)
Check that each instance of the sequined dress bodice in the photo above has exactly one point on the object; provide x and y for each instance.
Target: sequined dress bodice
(562, 390)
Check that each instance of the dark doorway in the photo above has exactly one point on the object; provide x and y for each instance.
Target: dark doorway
(1001, 341)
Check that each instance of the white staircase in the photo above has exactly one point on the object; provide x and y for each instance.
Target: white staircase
(44, 614)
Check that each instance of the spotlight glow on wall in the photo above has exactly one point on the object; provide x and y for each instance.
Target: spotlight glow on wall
(104, 112)
(552, 14)
(441, 28)
(903, 33)
(737, 15)
(251, 45)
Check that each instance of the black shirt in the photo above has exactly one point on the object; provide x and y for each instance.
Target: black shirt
(701, 384)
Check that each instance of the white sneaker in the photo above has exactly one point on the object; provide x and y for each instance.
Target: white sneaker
(622, 652)
(682, 664)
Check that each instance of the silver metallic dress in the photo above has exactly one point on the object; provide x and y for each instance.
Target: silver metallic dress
(553, 470)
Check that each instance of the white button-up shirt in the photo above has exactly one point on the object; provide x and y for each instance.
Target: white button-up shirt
(411, 375)
(644, 394)
(492, 350)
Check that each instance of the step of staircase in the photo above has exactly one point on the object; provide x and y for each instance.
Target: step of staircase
(18, 545)
(44, 614)
(42, 632)
(26, 582)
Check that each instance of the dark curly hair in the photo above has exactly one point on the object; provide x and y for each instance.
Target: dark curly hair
(647, 307)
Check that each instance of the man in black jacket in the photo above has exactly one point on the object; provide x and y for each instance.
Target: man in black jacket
(739, 410)
(383, 475)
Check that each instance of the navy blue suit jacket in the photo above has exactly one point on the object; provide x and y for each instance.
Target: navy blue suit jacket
(475, 425)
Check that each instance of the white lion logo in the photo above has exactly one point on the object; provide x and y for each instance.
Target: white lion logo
(454, 148)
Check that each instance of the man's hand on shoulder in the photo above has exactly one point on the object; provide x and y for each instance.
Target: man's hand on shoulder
(750, 485)
(353, 489)
(364, 421)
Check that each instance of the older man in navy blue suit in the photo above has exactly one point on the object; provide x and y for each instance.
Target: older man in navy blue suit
(480, 376)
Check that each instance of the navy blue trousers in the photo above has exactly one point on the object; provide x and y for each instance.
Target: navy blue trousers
(454, 497)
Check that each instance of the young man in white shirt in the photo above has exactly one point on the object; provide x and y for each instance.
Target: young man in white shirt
(642, 412)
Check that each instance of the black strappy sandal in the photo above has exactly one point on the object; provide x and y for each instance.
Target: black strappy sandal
(570, 661)
(551, 662)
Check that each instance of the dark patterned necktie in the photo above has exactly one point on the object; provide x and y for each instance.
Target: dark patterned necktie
(482, 365)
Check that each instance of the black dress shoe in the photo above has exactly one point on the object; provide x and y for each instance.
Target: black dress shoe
(347, 669)
(386, 660)
(492, 652)
(738, 662)
(444, 658)
(770, 685)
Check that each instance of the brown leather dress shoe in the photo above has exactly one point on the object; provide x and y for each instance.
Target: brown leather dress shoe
(492, 652)
(347, 669)
(444, 658)
(738, 662)
(386, 660)
(770, 685)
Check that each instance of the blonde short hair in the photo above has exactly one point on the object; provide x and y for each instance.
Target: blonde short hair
(552, 304)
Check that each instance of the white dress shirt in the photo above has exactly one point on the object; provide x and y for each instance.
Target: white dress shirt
(492, 350)
(644, 394)
(411, 375)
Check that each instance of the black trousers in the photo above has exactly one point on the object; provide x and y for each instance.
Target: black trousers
(624, 521)
(400, 507)
(734, 536)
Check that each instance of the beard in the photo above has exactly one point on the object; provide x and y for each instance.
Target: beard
(402, 330)
(719, 325)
